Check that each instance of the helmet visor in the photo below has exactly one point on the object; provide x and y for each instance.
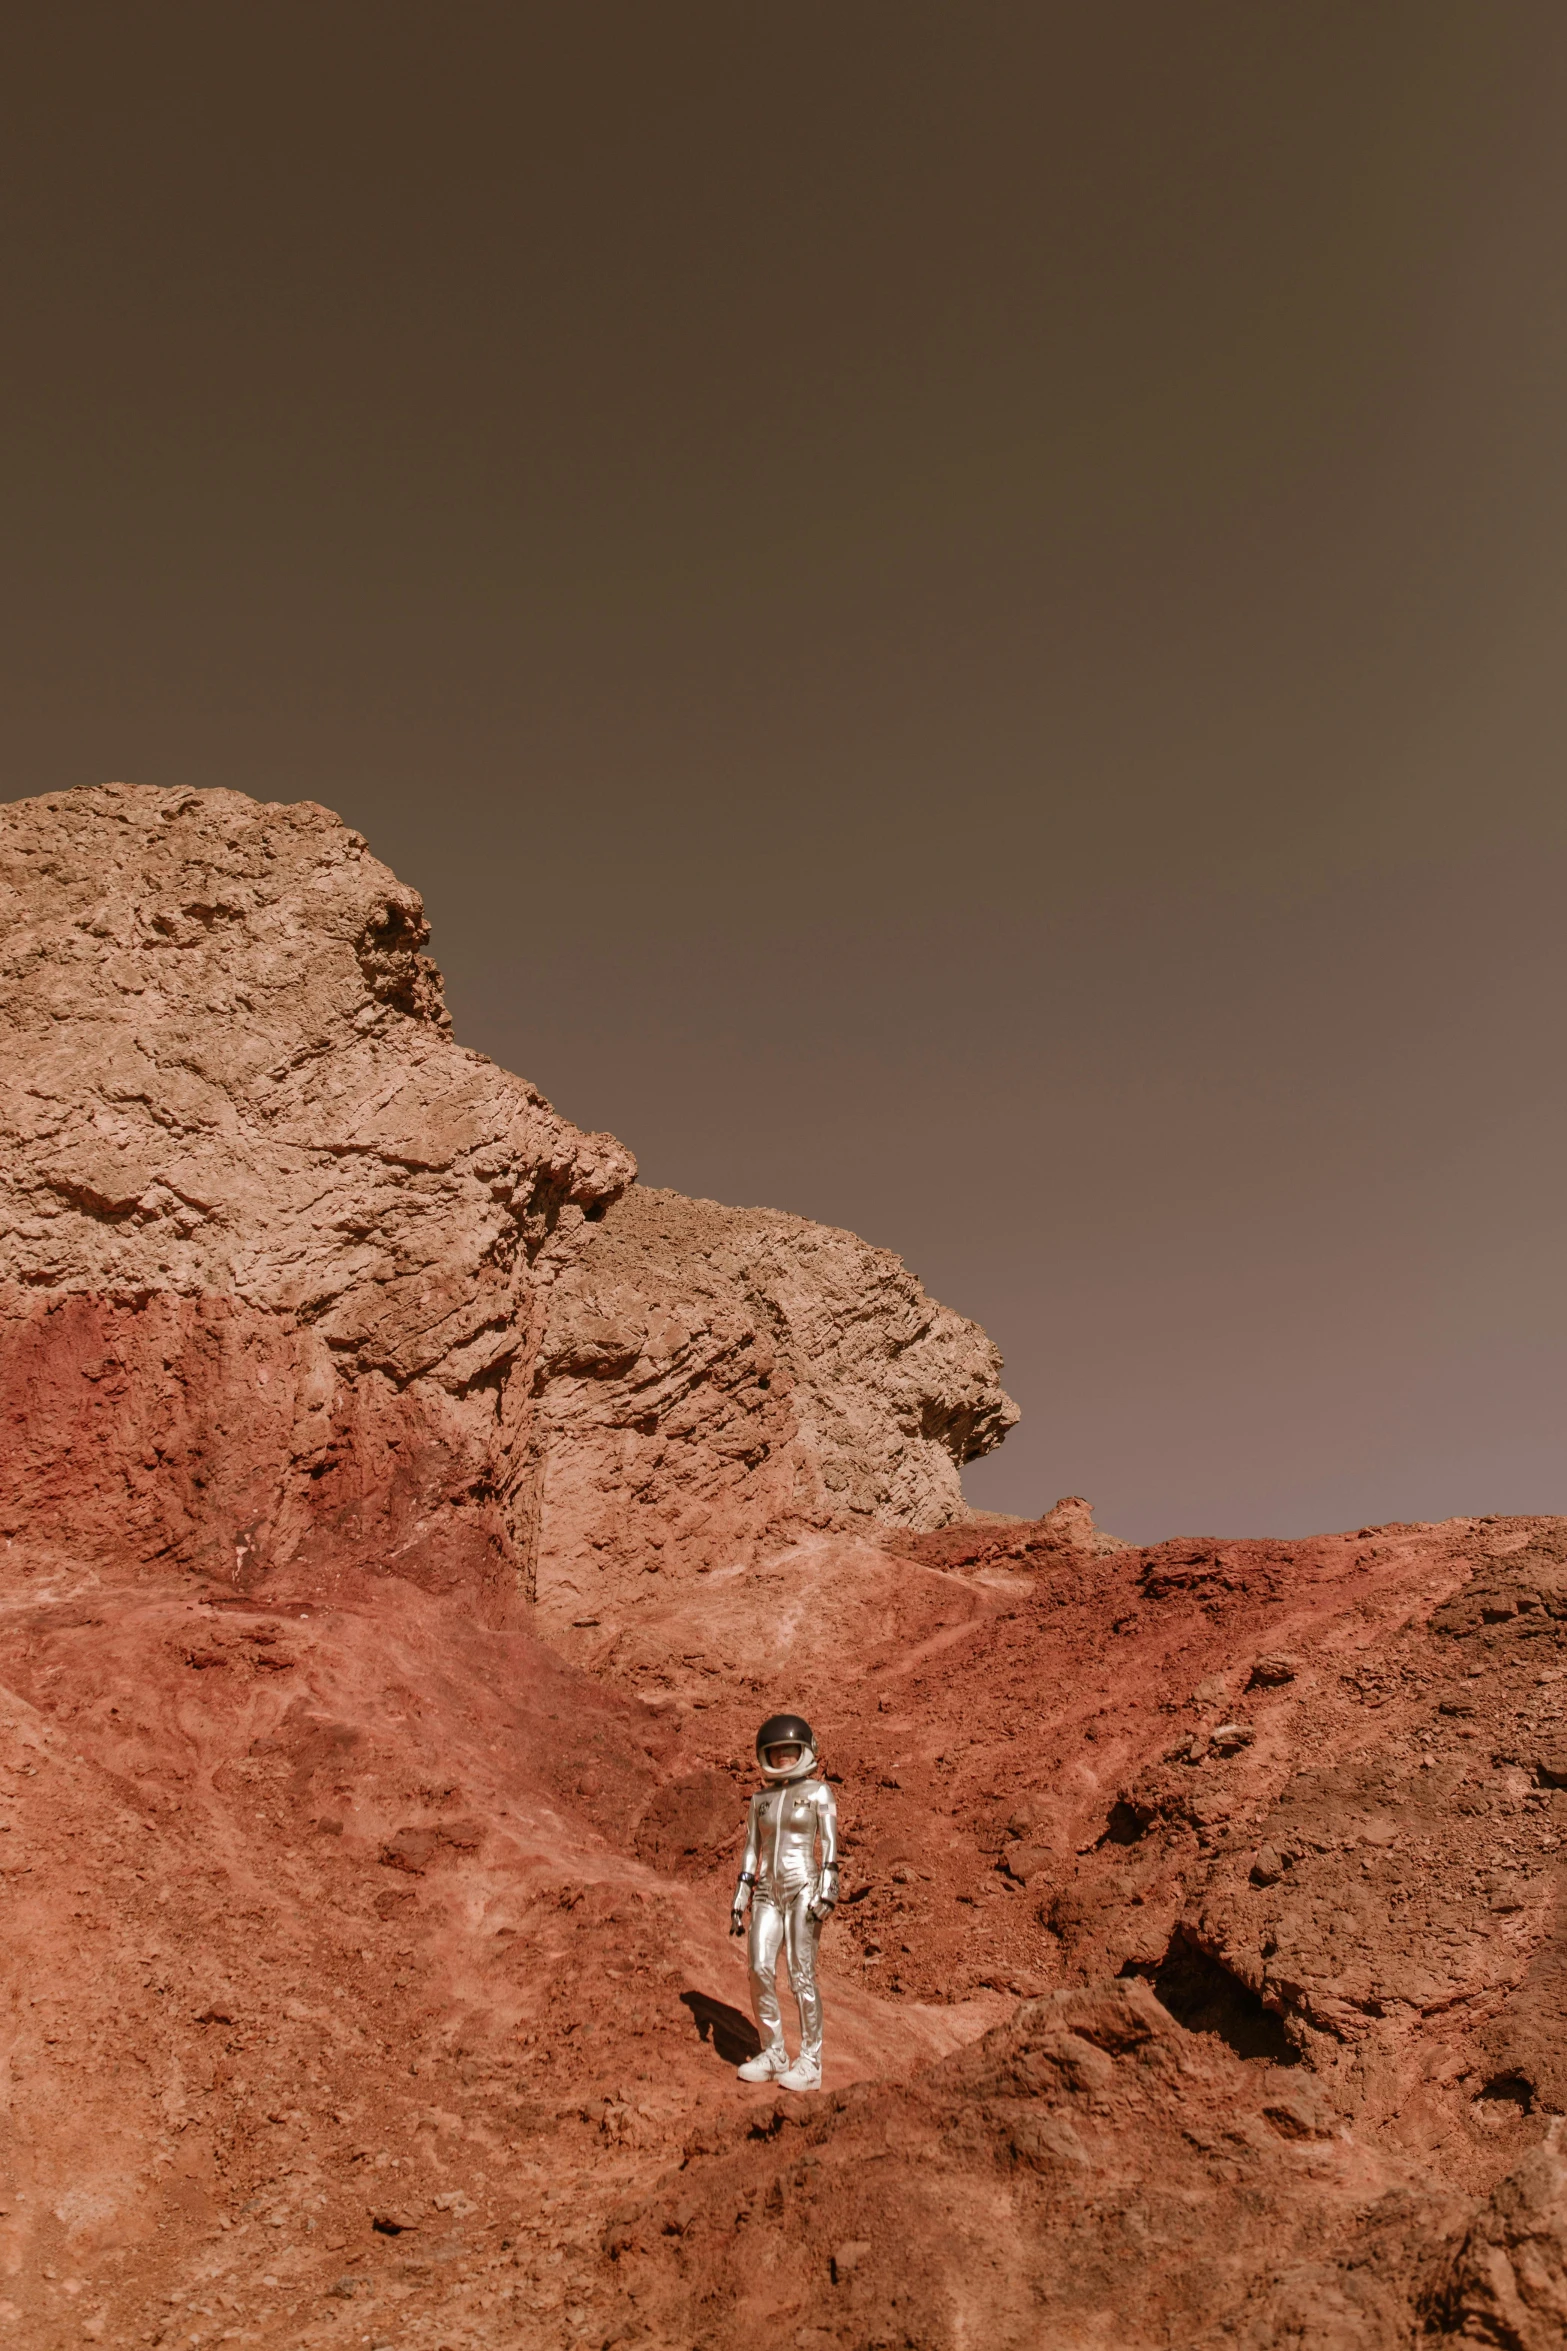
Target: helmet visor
(786, 1747)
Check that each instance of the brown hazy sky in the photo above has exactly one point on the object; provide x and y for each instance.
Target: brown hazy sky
(959, 611)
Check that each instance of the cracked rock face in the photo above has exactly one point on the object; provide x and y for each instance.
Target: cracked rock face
(276, 1254)
(271, 1240)
(712, 1376)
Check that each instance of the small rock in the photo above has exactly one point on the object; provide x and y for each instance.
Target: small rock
(393, 2219)
(1208, 1811)
(1026, 1863)
(410, 1849)
(1299, 2113)
(847, 2258)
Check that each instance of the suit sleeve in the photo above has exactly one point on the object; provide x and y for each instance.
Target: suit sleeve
(748, 1859)
(827, 1882)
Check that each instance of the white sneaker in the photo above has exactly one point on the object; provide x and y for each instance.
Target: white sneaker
(768, 2065)
(804, 2074)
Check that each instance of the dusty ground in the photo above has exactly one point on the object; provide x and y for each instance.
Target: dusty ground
(319, 1918)
(1198, 1979)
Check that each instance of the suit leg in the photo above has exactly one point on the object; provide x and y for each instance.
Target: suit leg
(800, 1936)
(764, 1939)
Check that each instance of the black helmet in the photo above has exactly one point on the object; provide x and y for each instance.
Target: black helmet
(786, 1730)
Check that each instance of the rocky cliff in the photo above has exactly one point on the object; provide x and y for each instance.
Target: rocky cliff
(713, 1377)
(276, 1255)
(272, 1242)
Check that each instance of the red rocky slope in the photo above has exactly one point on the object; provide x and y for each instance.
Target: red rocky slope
(1302, 1793)
(360, 1958)
(337, 1992)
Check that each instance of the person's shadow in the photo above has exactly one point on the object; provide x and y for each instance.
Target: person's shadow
(734, 2037)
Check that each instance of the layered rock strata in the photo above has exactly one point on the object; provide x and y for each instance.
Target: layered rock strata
(713, 1377)
(272, 1242)
(277, 1256)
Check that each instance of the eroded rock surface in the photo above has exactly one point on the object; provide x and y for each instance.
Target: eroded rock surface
(275, 1256)
(269, 1239)
(1192, 1982)
(713, 1378)
(1265, 1838)
(1509, 2283)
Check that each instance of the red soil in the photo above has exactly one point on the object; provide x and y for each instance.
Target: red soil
(360, 1955)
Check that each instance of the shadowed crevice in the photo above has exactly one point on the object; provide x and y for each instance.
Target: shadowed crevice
(1201, 1993)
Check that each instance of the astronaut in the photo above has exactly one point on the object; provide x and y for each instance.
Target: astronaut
(789, 1896)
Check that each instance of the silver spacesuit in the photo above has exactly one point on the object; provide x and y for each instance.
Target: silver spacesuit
(789, 1893)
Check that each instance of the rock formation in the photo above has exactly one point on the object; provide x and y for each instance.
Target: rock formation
(715, 1377)
(272, 1243)
(276, 1254)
